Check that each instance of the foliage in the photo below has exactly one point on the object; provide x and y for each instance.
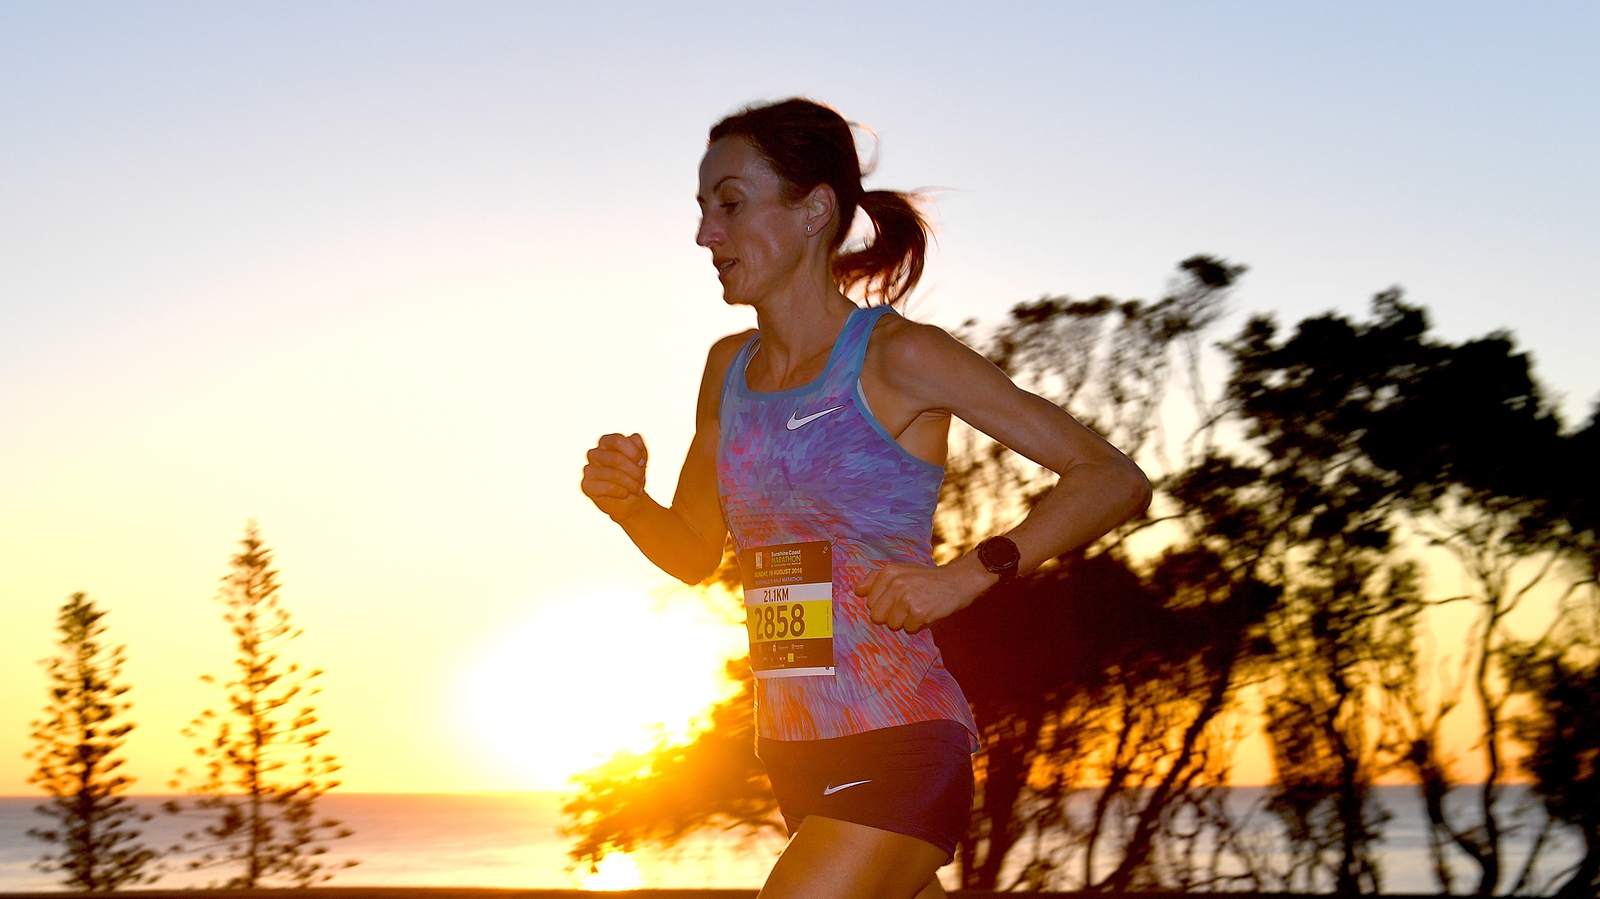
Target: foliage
(1562, 735)
(75, 745)
(1325, 519)
(1472, 440)
(1100, 750)
(1559, 729)
(1107, 362)
(1371, 426)
(262, 772)
(677, 788)
(1110, 741)
(1574, 498)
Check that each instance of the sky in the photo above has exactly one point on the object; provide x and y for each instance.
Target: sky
(376, 275)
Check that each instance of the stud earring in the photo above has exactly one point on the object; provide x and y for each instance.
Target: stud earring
(808, 229)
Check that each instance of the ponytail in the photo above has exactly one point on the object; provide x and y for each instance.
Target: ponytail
(808, 144)
(889, 267)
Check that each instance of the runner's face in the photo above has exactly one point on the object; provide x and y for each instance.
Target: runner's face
(757, 241)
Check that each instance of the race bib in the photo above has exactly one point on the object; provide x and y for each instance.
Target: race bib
(788, 604)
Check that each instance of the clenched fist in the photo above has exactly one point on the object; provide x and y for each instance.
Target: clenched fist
(614, 477)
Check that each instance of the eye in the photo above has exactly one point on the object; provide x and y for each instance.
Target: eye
(730, 206)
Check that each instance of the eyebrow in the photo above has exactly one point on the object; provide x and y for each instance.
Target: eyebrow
(720, 181)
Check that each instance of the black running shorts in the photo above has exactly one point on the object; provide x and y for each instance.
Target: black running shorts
(914, 779)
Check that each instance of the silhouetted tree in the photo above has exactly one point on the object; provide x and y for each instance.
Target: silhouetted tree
(1562, 735)
(1126, 711)
(1471, 439)
(1108, 362)
(1336, 642)
(661, 796)
(75, 746)
(262, 772)
(1559, 673)
(1346, 627)
(1573, 493)
(1481, 454)
(1100, 704)
(1454, 443)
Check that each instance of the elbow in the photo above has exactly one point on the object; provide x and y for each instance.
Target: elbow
(694, 577)
(700, 570)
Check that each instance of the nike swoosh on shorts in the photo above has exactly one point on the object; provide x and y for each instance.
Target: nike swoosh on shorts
(830, 790)
(794, 424)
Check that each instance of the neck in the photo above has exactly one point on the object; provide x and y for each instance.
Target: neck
(793, 337)
(800, 323)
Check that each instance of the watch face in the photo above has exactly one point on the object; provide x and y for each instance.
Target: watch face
(999, 554)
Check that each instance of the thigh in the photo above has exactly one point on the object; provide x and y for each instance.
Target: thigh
(831, 859)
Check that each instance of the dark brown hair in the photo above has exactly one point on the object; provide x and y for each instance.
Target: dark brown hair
(808, 144)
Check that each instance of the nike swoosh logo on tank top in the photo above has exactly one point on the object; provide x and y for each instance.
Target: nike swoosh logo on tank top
(795, 424)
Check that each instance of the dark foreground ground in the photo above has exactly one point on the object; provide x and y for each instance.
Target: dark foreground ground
(479, 893)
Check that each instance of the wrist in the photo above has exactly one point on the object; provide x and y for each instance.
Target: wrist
(975, 575)
(1000, 556)
(632, 511)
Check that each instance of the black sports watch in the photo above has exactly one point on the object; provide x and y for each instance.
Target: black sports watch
(1000, 556)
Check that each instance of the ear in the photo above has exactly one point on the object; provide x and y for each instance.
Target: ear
(819, 207)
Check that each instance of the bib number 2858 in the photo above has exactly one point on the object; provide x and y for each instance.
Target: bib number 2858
(777, 621)
(788, 598)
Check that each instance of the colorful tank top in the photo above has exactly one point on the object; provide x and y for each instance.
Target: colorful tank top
(813, 464)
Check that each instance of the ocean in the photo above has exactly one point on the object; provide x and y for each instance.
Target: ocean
(514, 840)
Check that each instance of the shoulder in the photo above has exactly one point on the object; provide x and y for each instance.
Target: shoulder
(718, 360)
(725, 349)
(929, 369)
(904, 351)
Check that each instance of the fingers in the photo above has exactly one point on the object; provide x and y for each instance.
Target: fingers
(614, 468)
(614, 477)
(637, 443)
(599, 481)
(630, 445)
(872, 587)
(886, 597)
(616, 461)
(864, 588)
(897, 596)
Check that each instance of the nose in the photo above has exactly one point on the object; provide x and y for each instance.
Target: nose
(709, 234)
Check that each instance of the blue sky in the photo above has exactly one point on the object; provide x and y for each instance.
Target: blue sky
(376, 274)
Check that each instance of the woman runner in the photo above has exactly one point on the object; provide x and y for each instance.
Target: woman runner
(819, 444)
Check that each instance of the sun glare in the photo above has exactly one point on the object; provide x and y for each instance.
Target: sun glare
(615, 872)
(587, 676)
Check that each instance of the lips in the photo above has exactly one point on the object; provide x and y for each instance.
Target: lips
(723, 265)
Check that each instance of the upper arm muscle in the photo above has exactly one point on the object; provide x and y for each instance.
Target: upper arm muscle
(696, 498)
(921, 370)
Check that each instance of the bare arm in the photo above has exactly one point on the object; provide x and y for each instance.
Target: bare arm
(918, 372)
(686, 539)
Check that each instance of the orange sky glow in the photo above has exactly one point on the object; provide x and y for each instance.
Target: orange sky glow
(378, 281)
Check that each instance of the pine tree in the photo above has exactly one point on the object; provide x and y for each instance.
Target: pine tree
(75, 745)
(262, 772)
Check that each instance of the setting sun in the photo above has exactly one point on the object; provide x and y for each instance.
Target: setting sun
(581, 679)
(615, 872)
